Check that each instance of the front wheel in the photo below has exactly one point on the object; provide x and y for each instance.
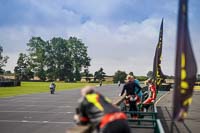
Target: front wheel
(52, 90)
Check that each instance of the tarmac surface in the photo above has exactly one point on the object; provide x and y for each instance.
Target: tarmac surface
(46, 113)
(190, 125)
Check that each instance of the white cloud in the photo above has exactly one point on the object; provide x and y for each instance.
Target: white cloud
(128, 46)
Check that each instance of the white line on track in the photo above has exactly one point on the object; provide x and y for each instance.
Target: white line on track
(8, 111)
(48, 122)
(24, 102)
(161, 97)
(38, 105)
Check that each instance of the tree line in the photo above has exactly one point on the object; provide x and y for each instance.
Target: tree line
(55, 59)
(3, 60)
(58, 58)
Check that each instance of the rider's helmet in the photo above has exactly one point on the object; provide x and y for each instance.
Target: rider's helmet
(149, 81)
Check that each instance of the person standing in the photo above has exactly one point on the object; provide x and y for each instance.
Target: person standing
(138, 89)
(131, 94)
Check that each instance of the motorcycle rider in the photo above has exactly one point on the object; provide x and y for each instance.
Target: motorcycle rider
(97, 110)
(152, 98)
(52, 87)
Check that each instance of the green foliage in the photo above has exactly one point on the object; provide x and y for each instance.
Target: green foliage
(141, 78)
(8, 73)
(131, 73)
(150, 74)
(23, 69)
(119, 76)
(79, 56)
(86, 74)
(57, 58)
(37, 49)
(59, 64)
(99, 75)
(3, 60)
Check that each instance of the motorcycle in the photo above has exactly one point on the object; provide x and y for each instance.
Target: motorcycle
(52, 87)
(126, 105)
(52, 90)
(145, 95)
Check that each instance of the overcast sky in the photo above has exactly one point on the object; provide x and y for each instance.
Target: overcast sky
(120, 34)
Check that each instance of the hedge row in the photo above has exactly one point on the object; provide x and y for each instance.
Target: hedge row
(9, 83)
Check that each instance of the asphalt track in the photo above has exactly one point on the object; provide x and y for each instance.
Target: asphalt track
(190, 125)
(43, 113)
(46, 113)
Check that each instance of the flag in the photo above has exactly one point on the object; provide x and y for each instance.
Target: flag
(158, 75)
(185, 68)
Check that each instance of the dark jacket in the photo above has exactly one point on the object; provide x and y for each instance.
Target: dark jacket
(129, 87)
(93, 107)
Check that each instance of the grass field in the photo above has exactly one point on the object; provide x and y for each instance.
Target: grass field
(38, 87)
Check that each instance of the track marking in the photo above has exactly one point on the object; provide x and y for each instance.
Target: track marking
(35, 112)
(38, 106)
(161, 98)
(25, 121)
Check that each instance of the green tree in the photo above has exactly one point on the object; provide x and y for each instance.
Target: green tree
(86, 73)
(8, 72)
(79, 56)
(141, 78)
(58, 58)
(37, 49)
(150, 74)
(3, 60)
(119, 76)
(131, 73)
(23, 69)
(59, 64)
(99, 75)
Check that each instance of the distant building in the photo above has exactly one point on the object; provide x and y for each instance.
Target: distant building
(7, 77)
